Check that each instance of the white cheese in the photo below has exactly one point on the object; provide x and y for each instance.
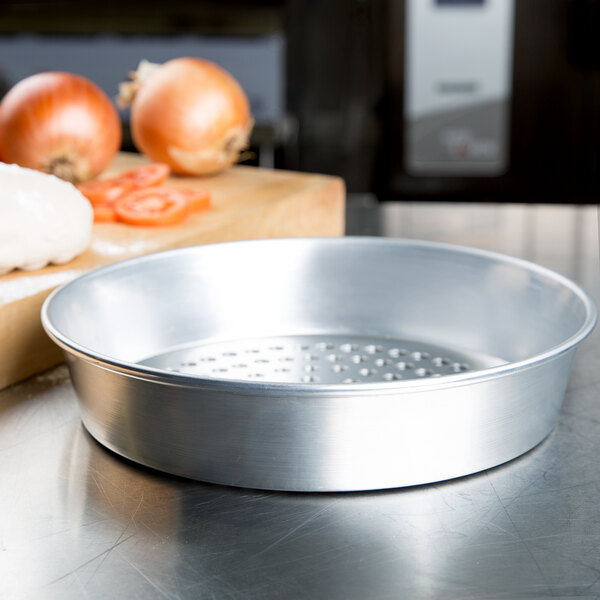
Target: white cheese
(43, 219)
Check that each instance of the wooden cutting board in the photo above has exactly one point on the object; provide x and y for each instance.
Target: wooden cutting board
(247, 203)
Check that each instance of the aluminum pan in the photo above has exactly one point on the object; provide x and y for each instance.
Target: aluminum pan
(516, 402)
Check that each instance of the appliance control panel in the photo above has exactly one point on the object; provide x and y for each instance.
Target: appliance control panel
(458, 85)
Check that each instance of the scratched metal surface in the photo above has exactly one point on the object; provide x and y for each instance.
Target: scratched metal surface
(78, 522)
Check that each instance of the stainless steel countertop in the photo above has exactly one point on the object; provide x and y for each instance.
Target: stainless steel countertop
(79, 522)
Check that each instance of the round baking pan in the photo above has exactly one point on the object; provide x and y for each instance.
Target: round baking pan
(320, 364)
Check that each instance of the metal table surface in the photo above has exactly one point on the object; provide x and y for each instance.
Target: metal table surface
(76, 521)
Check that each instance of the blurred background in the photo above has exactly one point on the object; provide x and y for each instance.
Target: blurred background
(483, 100)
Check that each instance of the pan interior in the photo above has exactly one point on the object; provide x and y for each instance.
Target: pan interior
(325, 359)
(240, 302)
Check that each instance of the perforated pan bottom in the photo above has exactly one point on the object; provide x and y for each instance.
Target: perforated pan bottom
(319, 359)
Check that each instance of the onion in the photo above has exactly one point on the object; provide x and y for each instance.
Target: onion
(189, 113)
(60, 123)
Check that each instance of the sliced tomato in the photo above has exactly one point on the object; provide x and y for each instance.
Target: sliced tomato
(103, 191)
(104, 212)
(146, 175)
(198, 199)
(152, 206)
(113, 188)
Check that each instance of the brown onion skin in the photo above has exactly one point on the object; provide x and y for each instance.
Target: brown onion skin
(60, 123)
(1, 139)
(191, 106)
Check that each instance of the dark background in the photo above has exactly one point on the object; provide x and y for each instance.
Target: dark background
(339, 85)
